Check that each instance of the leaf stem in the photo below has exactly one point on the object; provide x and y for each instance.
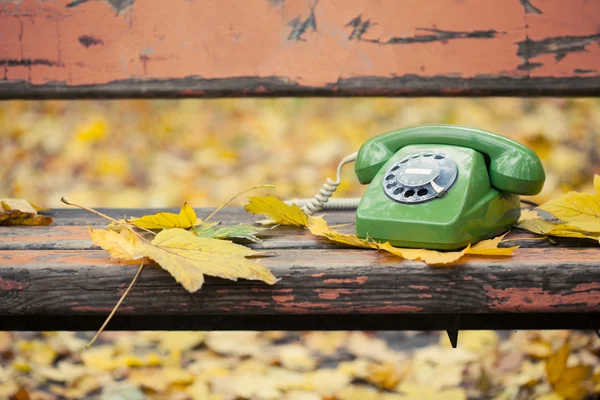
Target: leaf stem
(127, 226)
(236, 196)
(114, 310)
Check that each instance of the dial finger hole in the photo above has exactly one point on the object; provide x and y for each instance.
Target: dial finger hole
(389, 177)
(398, 191)
(409, 193)
(422, 192)
(439, 157)
(391, 185)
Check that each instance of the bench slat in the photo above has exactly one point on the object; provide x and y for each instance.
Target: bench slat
(205, 48)
(55, 271)
(280, 237)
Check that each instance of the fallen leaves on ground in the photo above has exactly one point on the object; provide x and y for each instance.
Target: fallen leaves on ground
(287, 365)
(566, 380)
(21, 212)
(575, 215)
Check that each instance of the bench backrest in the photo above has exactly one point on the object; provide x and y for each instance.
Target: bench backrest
(214, 48)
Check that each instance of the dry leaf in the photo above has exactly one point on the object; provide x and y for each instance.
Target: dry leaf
(384, 375)
(241, 231)
(566, 381)
(21, 212)
(548, 228)
(16, 217)
(581, 210)
(121, 246)
(165, 220)
(569, 384)
(318, 226)
(279, 212)
(528, 213)
(556, 363)
(188, 257)
(18, 204)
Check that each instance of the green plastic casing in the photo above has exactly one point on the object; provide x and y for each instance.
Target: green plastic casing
(481, 203)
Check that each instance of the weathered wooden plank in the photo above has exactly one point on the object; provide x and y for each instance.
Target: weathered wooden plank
(340, 281)
(75, 237)
(228, 215)
(211, 48)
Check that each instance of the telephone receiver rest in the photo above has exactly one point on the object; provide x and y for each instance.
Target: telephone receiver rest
(513, 167)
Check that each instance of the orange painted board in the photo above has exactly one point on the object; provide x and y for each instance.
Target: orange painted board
(133, 48)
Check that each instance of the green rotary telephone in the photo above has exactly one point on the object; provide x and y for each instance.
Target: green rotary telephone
(437, 187)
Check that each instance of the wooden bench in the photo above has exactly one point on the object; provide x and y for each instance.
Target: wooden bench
(51, 278)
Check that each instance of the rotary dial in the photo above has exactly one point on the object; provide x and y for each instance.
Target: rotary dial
(420, 177)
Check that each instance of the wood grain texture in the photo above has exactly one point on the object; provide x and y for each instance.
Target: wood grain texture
(215, 48)
(55, 271)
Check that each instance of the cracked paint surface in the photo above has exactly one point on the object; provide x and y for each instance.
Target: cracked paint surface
(583, 296)
(301, 42)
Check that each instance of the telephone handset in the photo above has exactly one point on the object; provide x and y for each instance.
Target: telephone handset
(439, 186)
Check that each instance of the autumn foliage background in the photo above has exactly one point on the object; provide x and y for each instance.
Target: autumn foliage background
(162, 153)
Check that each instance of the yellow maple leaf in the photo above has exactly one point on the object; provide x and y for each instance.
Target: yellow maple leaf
(18, 204)
(121, 245)
(528, 214)
(581, 210)
(490, 247)
(16, 217)
(569, 386)
(279, 212)
(188, 257)
(556, 363)
(548, 228)
(566, 381)
(166, 220)
(20, 212)
(318, 226)
(432, 257)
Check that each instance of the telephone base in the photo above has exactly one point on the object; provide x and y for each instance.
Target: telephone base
(471, 210)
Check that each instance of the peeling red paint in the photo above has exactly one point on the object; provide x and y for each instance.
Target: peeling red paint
(260, 290)
(468, 278)
(359, 279)
(584, 297)
(223, 291)
(282, 299)
(318, 275)
(224, 308)
(492, 277)
(12, 285)
(101, 309)
(399, 309)
(425, 296)
(254, 303)
(332, 294)
(418, 287)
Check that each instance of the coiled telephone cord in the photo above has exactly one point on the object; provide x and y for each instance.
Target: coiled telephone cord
(322, 200)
